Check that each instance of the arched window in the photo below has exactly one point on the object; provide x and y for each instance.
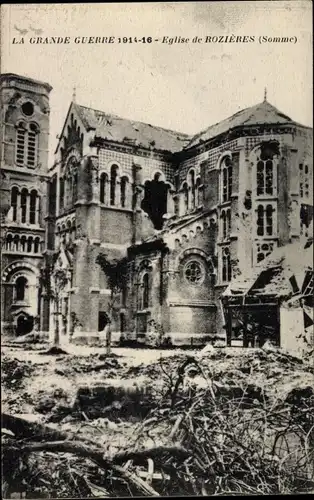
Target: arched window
(145, 285)
(102, 188)
(265, 177)
(226, 265)
(24, 196)
(269, 220)
(26, 144)
(186, 197)
(228, 217)
(67, 190)
(69, 231)
(226, 174)
(260, 220)
(23, 244)
(14, 198)
(32, 209)
(16, 242)
(63, 234)
(224, 224)
(9, 242)
(36, 245)
(191, 182)
(113, 183)
(29, 244)
(74, 186)
(61, 193)
(124, 185)
(20, 144)
(198, 192)
(32, 145)
(304, 181)
(176, 205)
(265, 220)
(20, 288)
(73, 230)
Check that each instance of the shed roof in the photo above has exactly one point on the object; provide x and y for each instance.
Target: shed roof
(272, 275)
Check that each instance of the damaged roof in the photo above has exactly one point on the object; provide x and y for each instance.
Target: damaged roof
(272, 275)
(117, 129)
(260, 114)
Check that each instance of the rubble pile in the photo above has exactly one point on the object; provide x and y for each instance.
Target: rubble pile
(221, 421)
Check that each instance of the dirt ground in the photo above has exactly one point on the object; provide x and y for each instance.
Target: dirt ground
(35, 385)
(110, 400)
(36, 380)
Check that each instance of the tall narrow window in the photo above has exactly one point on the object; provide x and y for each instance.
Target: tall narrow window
(16, 243)
(124, 185)
(9, 242)
(74, 187)
(226, 265)
(23, 244)
(20, 144)
(30, 244)
(304, 181)
(269, 177)
(186, 197)
(32, 209)
(103, 184)
(192, 188)
(269, 220)
(228, 222)
(226, 180)
(265, 177)
(145, 285)
(176, 206)
(61, 193)
(198, 192)
(260, 220)
(20, 288)
(265, 225)
(32, 145)
(14, 198)
(24, 196)
(113, 183)
(224, 224)
(36, 245)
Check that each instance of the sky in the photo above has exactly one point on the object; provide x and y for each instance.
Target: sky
(184, 86)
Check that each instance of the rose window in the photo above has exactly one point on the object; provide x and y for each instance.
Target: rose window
(194, 272)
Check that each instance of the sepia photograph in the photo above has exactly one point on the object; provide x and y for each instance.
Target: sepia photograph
(157, 249)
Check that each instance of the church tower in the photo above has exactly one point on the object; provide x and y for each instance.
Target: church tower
(24, 165)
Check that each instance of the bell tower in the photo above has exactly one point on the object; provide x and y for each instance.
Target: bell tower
(24, 132)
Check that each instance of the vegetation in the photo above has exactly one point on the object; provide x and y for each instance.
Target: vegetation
(53, 280)
(116, 272)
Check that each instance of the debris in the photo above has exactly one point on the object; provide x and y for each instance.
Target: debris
(224, 423)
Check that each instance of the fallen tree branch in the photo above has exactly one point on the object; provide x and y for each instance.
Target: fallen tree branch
(24, 429)
(97, 457)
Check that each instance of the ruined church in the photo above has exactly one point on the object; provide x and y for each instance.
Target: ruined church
(192, 214)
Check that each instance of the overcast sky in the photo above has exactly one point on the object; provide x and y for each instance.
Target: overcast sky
(185, 87)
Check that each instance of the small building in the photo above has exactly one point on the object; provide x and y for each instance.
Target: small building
(274, 302)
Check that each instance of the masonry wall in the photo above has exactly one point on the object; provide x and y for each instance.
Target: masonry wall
(16, 261)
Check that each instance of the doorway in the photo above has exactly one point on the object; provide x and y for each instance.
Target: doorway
(102, 320)
(24, 324)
